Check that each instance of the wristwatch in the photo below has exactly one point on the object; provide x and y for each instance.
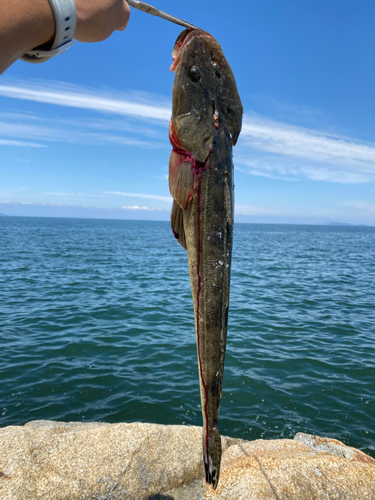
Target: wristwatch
(65, 21)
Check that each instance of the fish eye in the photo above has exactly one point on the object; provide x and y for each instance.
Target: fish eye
(195, 74)
(217, 69)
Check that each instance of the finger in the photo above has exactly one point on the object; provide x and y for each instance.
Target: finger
(125, 16)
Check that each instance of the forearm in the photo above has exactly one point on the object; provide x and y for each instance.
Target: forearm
(24, 25)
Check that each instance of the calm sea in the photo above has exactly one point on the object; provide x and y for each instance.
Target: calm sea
(96, 323)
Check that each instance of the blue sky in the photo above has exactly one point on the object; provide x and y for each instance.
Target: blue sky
(86, 134)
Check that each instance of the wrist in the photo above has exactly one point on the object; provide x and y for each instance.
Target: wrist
(64, 13)
(43, 27)
(22, 28)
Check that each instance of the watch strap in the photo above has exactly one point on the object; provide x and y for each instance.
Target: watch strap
(65, 15)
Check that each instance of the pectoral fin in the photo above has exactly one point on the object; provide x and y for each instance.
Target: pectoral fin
(181, 179)
(177, 223)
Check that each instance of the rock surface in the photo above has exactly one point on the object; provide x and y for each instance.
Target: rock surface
(66, 461)
(71, 461)
(291, 470)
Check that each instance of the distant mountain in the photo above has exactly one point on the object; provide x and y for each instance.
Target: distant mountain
(3, 215)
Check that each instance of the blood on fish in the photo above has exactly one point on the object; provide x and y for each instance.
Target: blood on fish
(199, 188)
(196, 165)
(173, 138)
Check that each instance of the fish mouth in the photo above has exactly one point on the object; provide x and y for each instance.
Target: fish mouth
(182, 41)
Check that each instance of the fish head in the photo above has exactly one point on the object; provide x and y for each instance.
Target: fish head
(205, 100)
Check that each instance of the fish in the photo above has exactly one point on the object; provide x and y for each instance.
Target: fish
(205, 125)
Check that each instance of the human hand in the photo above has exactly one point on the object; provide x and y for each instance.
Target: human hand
(98, 19)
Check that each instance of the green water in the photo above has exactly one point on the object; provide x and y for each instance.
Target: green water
(96, 323)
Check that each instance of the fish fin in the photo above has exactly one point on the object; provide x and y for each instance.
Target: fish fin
(177, 224)
(212, 457)
(181, 179)
(231, 103)
(236, 124)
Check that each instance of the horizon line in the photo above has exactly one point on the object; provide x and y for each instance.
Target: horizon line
(331, 224)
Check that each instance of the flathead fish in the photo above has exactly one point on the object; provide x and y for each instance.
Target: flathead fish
(206, 122)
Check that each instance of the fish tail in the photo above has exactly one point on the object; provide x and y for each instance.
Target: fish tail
(212, 456)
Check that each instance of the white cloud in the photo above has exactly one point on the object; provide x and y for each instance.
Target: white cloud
(88, 197)
(250, 210)
(266, 147)
(57, 194)
(6, 142)
(289, 169)
(136, 207)
(77, 135)
(40, 204)
(122, 124)
(78, 97)
(138, 195)
(300, 153)
(289, 140)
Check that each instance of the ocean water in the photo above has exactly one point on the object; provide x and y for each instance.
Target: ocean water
(97, 324)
